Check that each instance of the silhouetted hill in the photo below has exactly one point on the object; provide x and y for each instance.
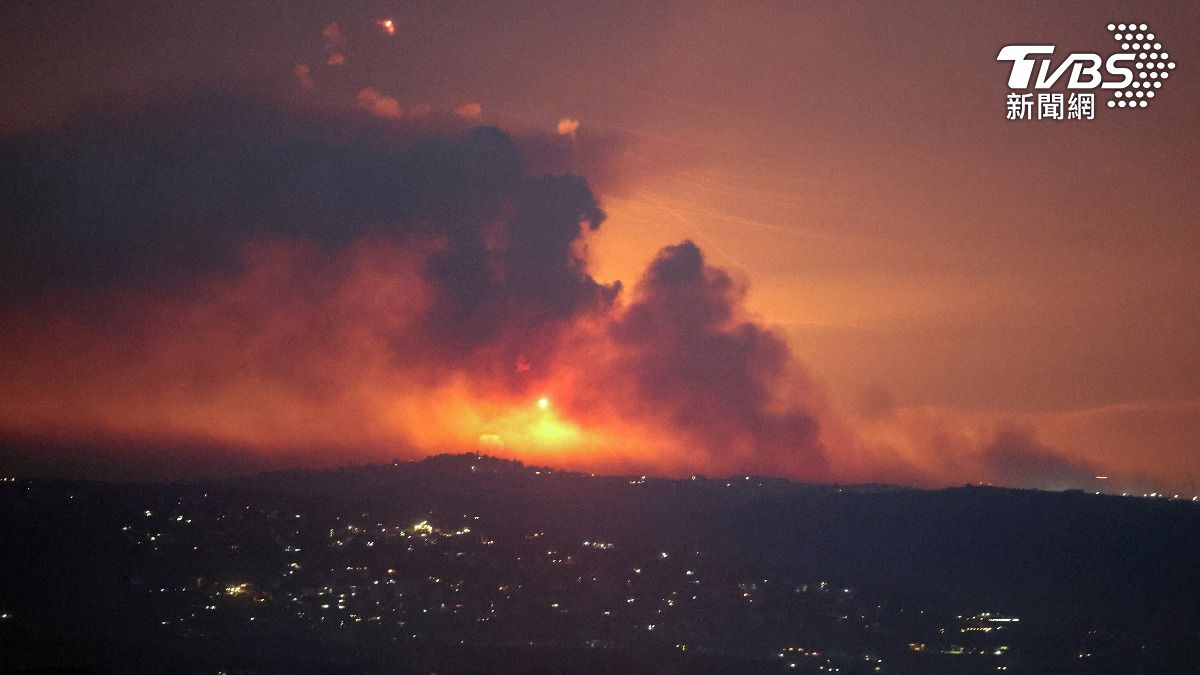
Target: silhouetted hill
(516, 565)
(974, 544)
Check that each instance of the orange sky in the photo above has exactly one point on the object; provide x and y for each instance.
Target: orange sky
(936, 269)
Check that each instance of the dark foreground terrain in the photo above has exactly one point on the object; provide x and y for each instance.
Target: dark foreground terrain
(468, 564)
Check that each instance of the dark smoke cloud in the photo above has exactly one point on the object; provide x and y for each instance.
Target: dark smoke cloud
(713, 373)
(169, 193)
(225, 217)
(219, 276)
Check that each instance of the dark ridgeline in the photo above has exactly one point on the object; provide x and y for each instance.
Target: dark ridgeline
(467, 563)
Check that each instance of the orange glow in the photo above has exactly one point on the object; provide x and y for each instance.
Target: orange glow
(871, 211)
(541, 432)
(234, 365)
(469, 111)
(300, 358)
(567, 127)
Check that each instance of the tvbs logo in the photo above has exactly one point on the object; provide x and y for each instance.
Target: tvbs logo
(1085, 68)
(1132, 76)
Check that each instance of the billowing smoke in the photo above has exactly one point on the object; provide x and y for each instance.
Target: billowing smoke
(213, 271)
(712, 373)
(173, 193)
(214, 277)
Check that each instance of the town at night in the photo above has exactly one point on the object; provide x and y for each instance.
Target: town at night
(465, 563)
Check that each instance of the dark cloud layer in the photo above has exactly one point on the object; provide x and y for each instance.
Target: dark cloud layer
(168, 193)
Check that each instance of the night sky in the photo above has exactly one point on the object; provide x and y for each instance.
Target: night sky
(668, 238)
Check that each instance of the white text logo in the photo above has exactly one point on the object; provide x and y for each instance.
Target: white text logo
(1132, 75)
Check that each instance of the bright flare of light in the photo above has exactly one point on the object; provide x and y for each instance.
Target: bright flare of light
(532, 431)
(387, 25)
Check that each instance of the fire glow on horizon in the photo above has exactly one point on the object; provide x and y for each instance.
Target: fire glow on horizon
(378, 347)
(349, 271)
(541, 432)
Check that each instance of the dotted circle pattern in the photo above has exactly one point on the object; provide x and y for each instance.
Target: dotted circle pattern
(1151, 65)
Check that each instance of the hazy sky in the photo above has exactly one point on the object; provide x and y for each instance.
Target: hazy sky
(940, 272)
